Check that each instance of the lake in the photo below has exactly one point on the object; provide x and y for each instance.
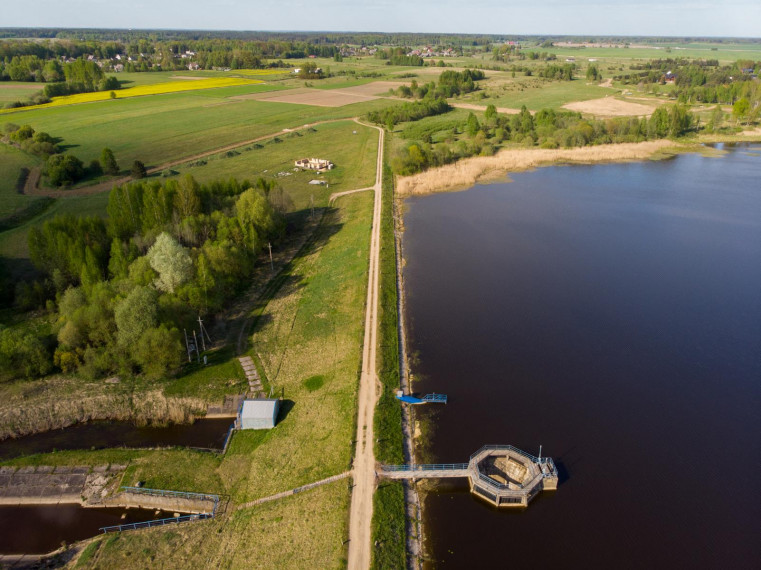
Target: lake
(612, 314)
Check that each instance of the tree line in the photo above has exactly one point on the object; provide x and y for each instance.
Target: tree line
(547, 129)
(122, 288)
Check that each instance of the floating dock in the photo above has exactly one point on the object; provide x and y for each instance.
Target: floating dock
(502, 475)
(427, 399)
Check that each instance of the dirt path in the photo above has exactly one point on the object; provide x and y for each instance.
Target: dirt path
(32, 179)
(107, 185)
(361, 512)
(347, 192)
(290, 492)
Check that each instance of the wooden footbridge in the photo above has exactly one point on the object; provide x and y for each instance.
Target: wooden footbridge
(503, 475)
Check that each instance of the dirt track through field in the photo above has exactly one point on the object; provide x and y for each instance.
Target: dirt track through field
(361, 512)
(105, 186)
(32, 180)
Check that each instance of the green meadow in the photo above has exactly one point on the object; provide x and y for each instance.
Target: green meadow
(11, 91)
(12, 161)
(161, 128)
(351, 147)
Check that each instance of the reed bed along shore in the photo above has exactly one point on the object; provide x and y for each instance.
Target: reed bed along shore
(465, 173)
(31, 413)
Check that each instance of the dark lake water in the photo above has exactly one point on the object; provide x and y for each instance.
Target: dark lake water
(612, 314)
(203, 433)
(37, 529)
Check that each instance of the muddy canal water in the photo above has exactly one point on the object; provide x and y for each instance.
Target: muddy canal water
(37, 529)
(203, 433)
(612, 314)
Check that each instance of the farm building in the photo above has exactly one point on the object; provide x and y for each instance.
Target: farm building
(260, 413)
(314, 164)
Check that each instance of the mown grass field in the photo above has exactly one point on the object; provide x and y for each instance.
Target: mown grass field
(537, 94)
(12, 160)
(163, 128)
(13, 242)
(11, 91)
(354, 156)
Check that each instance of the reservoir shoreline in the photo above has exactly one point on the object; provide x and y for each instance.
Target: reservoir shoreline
(467, 172)
(656, 202)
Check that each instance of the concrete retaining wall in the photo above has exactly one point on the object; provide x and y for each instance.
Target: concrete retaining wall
(172, 504)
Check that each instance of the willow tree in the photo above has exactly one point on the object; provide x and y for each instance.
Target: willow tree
(171, 261)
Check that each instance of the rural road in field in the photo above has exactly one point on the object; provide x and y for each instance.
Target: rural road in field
(361, 512)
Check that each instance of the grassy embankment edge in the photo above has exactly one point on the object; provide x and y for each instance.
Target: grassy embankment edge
(389, 509)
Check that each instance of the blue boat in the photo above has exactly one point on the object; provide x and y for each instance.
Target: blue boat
(427, 399)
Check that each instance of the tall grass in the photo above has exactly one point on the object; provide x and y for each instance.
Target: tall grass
(467, 172)
(56, 403)
(388, 525)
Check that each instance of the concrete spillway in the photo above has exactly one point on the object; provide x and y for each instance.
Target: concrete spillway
(502, 475)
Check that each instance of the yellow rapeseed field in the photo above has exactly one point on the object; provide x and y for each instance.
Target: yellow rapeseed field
(141, 90)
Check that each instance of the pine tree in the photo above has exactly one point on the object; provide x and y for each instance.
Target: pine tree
(138, 170)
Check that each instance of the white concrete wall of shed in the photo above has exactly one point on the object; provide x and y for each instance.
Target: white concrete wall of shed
(261, 423)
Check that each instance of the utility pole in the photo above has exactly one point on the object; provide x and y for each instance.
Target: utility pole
(272, 265)
(200, 331)
(198, 353)
(187, 346)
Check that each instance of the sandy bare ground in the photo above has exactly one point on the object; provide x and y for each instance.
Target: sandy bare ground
(471, 106)
(327, 97)
(361, 512)
(610, 107)
(467, 172)
(378, 88)
(306, 96)
(607, 83)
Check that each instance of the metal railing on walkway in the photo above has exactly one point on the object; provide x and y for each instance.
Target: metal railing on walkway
(158, 522)
(435, 398)
(425, 467)
(174, 494)
(541, 461)
(165, 521)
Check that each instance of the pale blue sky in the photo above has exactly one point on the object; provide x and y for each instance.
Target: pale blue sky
(601, 17)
